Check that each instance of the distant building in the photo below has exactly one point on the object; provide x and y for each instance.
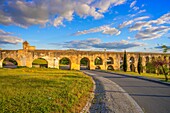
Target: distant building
(26, 46)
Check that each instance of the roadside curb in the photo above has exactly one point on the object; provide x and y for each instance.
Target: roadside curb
(138, 77)
(88, 104)
(134, 106)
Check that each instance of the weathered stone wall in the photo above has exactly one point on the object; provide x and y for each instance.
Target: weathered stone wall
(26, 57)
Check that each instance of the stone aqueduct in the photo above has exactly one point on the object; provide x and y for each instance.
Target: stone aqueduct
(28, 54)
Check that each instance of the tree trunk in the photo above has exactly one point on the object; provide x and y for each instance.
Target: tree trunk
(166, 77)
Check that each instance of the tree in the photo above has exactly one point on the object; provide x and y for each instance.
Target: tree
(139, 64)
(165, 48)
(162, 64)
(125, 62)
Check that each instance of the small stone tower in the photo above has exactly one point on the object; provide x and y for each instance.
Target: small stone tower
(25, 45)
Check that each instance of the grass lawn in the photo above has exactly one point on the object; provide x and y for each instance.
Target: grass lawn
(148, 75)
(39, 61)
(39, 90)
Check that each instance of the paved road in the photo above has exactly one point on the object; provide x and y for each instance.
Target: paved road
(151, 97)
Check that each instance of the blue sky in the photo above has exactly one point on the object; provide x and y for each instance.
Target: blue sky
(114, 25)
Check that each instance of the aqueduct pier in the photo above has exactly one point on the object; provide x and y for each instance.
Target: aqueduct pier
(25, 57)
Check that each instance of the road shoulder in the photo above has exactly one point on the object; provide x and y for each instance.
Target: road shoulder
(111, 98)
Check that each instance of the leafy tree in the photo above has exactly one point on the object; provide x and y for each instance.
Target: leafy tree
(150, 68)
(98, 61)
(162, 64)
(65, 61)
(165, 48)
(125, 62)
(139, 64)
(84, 61)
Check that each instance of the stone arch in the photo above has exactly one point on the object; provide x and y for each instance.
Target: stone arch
(121, 63)
(9, 62)
(147, 64)
(98, 61)
(40, 63)
(65, 63)
(110, 61)
(153, 58)
(159, 57)
(97, 67)
(84, 63)
(132, 66)
(147, 59)
(110, 67)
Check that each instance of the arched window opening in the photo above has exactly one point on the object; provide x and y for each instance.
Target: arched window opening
(110, 60)
(9, 63)
(98, 61)
(84, 64)
(97, 67)
(40, 63)
(110, 67)
(121, 63)
(132, 66)
(65, 64)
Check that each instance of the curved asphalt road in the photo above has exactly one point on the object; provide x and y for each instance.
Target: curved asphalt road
(151, 97)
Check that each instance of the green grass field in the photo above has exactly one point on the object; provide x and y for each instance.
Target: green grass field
(39, 90)
(148, 75)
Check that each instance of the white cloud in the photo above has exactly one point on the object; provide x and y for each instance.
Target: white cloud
(152, 32)
(58, 21)
(165, 19)
(7, 38)
(139, 25)
(26, 13)
(141, 18)
(128, 37)
(93, 43)
(133, 4)
(103, 29)
(142, 11)
(126, 23)
(80, 44)
(135, 8)
(118, 45)
(104, 5)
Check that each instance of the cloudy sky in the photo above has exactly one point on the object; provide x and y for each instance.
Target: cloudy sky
(114, 25)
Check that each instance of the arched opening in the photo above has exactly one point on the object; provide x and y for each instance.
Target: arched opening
(9, 63)
(147, 59)
(121, 63)
(110, 61)
(84, 64)
(153, 58)
(65, 64)
(147, 65)
(97, 67)
(98, 61)
(110, 67)
(40, 63)
(164, 58)
(132, 66)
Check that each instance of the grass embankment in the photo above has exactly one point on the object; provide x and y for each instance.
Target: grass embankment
(147, 75)
(43, 90)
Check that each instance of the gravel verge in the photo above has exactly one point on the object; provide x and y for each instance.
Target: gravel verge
(111, 98)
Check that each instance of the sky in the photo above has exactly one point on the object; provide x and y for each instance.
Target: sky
(111, 25)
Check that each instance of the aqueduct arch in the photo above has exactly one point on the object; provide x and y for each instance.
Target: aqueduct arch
(28, 54)
(84, 63)
(65, 63)
(40, 62)
(9, 63)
